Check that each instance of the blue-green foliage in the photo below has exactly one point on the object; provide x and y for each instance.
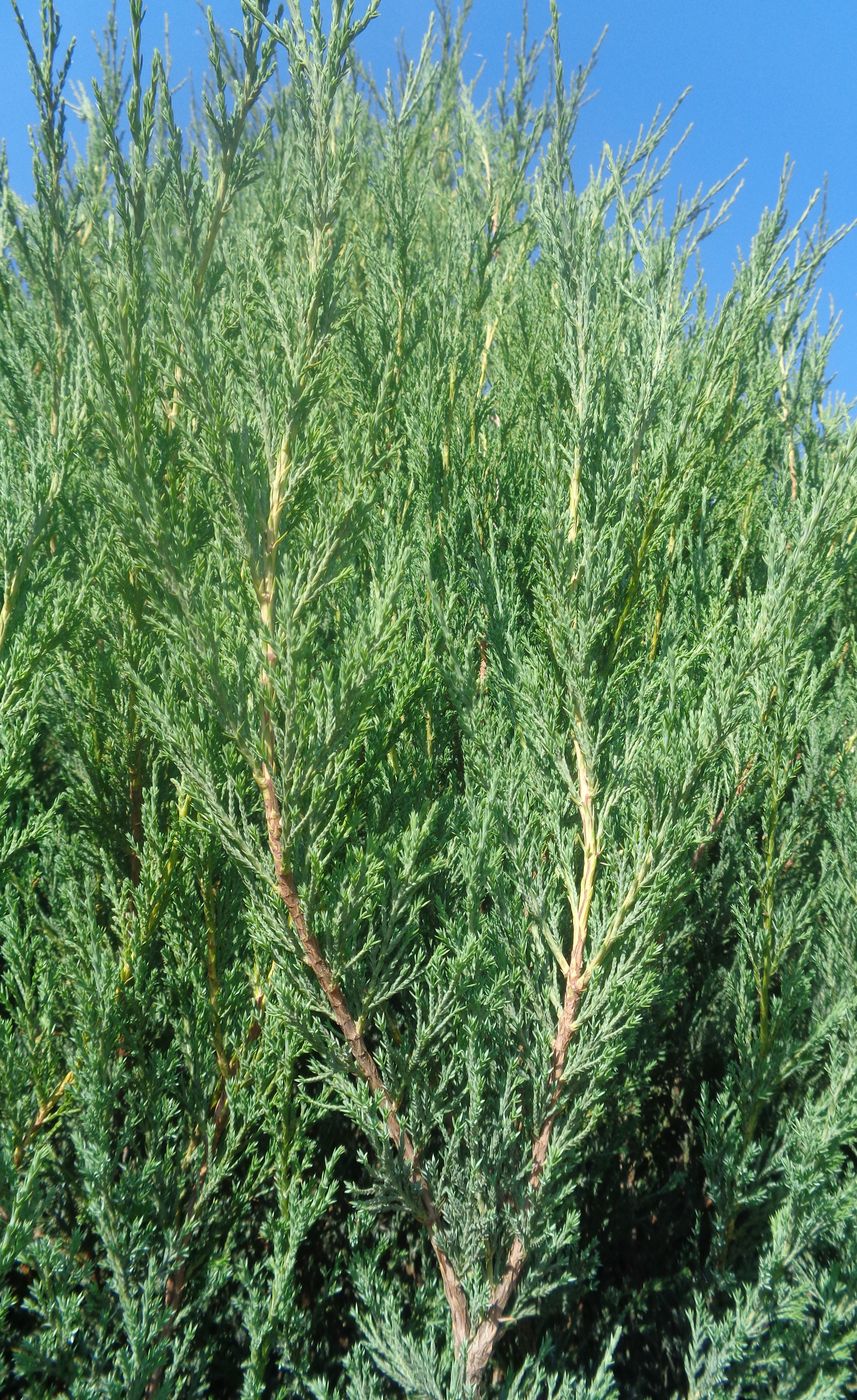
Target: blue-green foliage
(427, 738)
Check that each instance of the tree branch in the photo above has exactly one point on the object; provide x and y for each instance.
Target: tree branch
(365, 1061)
(487, 1333)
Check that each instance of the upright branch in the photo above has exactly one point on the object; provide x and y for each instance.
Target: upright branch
(320, 64)
(485, 1338)
(311, 949)
(49, 75)
(786, 415)
(235, 164)
(288, 892)
(40, 249)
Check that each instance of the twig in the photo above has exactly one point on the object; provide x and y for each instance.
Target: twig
(42, 1117)
(717, 821)
(785, 414)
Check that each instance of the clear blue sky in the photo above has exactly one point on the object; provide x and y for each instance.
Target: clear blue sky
(768, 77)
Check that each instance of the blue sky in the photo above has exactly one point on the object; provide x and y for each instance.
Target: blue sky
(768, 77)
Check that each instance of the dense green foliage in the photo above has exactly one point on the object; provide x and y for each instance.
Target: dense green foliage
(428, 897)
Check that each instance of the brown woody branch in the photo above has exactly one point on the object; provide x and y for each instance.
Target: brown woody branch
(363, 1057)
(288, 892)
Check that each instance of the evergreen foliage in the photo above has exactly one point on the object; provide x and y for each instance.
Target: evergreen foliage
(427, 740)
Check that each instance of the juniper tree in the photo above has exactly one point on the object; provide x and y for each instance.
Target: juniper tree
(427, 747)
